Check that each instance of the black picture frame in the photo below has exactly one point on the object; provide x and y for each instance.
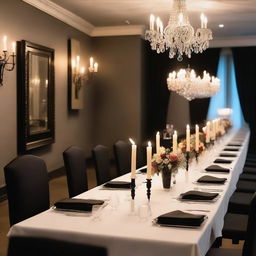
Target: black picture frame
(28, 54)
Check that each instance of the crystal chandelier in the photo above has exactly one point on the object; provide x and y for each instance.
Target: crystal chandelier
(187, 84)
(178, 36)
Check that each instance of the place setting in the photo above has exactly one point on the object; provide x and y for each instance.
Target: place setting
(180, 219)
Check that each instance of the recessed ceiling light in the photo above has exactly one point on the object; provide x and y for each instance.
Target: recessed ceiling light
(221, 25)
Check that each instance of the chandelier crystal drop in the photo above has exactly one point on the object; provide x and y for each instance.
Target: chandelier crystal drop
(187, 84)
(178, 36)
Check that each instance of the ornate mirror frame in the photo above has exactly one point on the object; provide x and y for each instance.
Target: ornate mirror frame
(35, 96)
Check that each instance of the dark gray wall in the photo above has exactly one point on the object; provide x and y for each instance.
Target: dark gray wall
(112, 107)
(118, 86)
(18, 21)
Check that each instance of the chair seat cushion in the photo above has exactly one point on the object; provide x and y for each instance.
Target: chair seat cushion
(224, 252)
(235, 226)
(246, 186)
(247, 176)
(250, 170)
(240, 202)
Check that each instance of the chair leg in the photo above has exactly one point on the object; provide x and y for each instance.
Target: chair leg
(235, 241)
(217, 243)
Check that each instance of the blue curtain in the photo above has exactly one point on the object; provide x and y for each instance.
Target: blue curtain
(228, 95)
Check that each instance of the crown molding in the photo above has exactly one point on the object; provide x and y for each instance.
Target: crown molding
(118, 30)
(233, 41)
(84, 26)
(62, 14)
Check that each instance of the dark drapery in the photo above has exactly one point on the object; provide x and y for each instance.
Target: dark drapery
(245, 69)
(208, 61)
(156, 93)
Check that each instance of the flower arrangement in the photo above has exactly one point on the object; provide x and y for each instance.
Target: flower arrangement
(183, 145)
(166, 159)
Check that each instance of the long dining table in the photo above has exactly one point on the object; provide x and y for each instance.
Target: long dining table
(119, 226)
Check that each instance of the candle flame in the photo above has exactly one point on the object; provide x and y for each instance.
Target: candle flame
(187, 126)
(158, 133)
(133, 143)
(175, 132)
(149, 144)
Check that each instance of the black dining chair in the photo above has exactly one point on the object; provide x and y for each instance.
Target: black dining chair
(101, 157)
(239, 202)
(122, 152)
(249, 248)
(31, 246)
(74, 160)
(27, 186)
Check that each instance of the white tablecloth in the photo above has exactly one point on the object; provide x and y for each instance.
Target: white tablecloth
(123, 233)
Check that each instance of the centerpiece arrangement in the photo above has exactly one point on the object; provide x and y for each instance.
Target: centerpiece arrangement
(167, 163)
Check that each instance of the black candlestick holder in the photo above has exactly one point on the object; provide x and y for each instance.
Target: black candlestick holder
(207, 145)
(133, 188)
(197, 154)
(187, 160)
(148, 189)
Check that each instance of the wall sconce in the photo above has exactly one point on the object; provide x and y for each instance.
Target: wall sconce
(79, 74)
(6, 59)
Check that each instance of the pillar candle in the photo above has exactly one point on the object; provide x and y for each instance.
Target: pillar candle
(133, 159)
(77, 64)
(157, 142)
(91, 62)
(13, 47)
(174, 142)
(149, 160)
(5, 43)
(207, 132)
(95, 67)
(197, 138)
(213, 130)
(188, 138)
(152, 21)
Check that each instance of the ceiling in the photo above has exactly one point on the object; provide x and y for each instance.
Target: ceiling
(238, 16)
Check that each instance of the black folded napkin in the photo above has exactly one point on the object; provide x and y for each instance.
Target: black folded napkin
(211, 179)
(198, 195)
(231, 149)
(216, 168)
(227, 155)
(222, 161)
(77, 204)
(234, 144)
(118, 184)
(181, 218)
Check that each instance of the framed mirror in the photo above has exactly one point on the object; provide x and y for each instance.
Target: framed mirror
(35, 96)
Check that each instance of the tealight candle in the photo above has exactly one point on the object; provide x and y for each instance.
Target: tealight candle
(149, 160)
(133, 159)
